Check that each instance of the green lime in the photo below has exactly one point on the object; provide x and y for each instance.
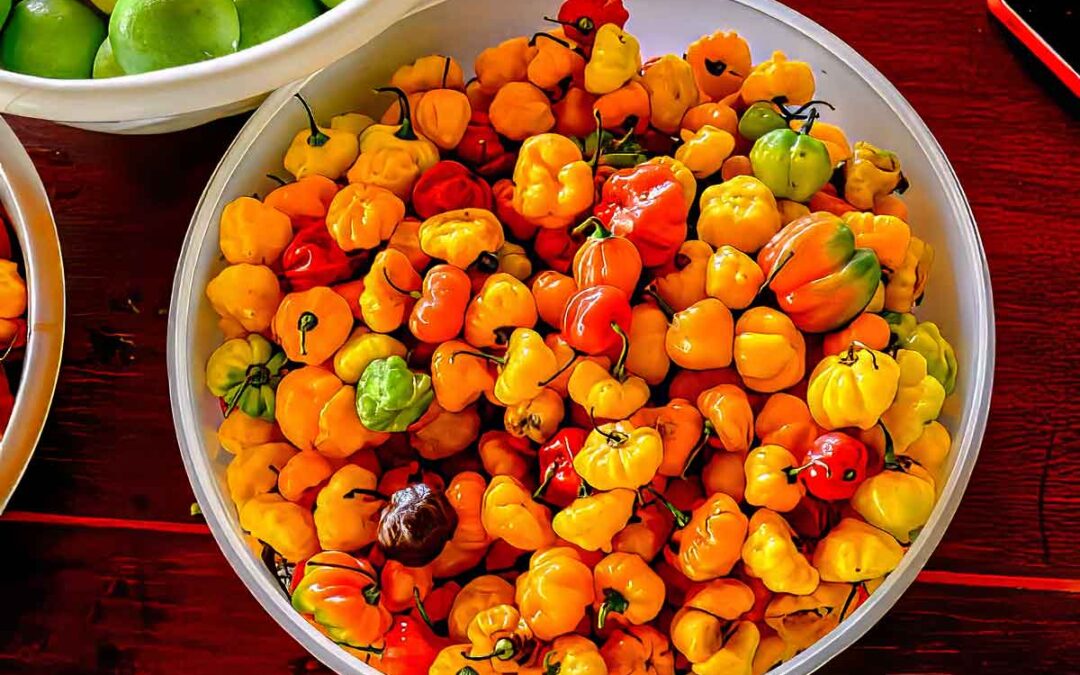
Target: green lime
(5, 9)
(262, 20)
(154, 34)
(105, 64)
(105, 5)
(52, 38)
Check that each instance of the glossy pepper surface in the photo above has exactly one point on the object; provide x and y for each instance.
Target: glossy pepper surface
(244, 373)
(313, 258)
(918, 401)
(301, 397)
(390, 397)
(320, 151)
(607, 260)
(591, 522)
(476, 596)
(701, 336)
(625, 586)
(573, 655)
(638, 650)
(646, 356)
(449, 186)
(597, 320)
(553, 183)
(285, 527)
(521, 110)
(510, 513)
(779, 78)
(821, 280)
(312, 325)
(853, 389)
(503, 304)
(305, 200)
(887, 236)
(794, 165)
(854, 551)
(439, 312)
(733, 278)
(770, 554)
(360, 350)
(870, 173)
(552, 290)
(582, 18)
(394, 156)
(703, 151)
(680, 427)
(616, 57)
(619, 456)
(740, 212)
(606, 395)
(708, 623)
(253, 472)
(926, 339)
(730, 416)
(462, 237)
(683, 282)
(672, 89)
(410, 646)
(538, 418)
(388, 287)
(363, 216)
(899, 500)
(245, 294)
(347, 510)
(559, 481)
(500, 637)
(769, 351)
(721, 61)
(341, 595)
(709, 540)
(252, 232)
(645, 205)
(772, 480)
(835, 466)
(554, 592)
(559, 62)
(459, 382)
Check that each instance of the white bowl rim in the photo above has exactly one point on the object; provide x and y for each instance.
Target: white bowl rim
(967, 438)
(27, 205)
(204, 85)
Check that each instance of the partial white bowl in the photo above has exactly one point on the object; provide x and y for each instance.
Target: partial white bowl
(27, 206)
(868, 107)
(187, 96)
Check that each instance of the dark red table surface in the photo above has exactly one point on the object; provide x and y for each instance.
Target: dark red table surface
(105, 572)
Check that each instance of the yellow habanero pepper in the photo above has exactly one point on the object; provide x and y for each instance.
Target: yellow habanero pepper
(728, 411)
(506, 62)
(619, 456)
(514, 260)
(284, 526)
(740, 212)
(521, 110)
(854, 551)
(685, 285)
(930, 449)
(240, 431)
(442, 115)
(672, 91)
(852, 389)
(393, 156)
(638, 650)
(247, 294)
(525, 368)
(352, 122)
(388, 289)
(770, 479)
(802, 620)
(361, 349)
(553, 185)
(429, 72)
(500, 637)
(312, 325)
(321, 151)
(771, 653)
(907, 284)
(791, 210)
(568, 360)
(538, 418)
(503, 454)
(510, 513)
(252, 232)
(646, 357)
(733, 278)
(708, 632)
(363, 216)
(459, 383)
(899, 500)
(918, 401)
(682, 174)
(832, 136)
(785, 420)
(701, 336)
(463, 237)
(254, 471)
(502, 305)
(625, 586)
(605, 395)
(721, 61)
(616, 57)
(480, 594)
(445, 433)
(870, 173)
(590, 523)
(769, 352)
(792, 81)
(886, 236)
(347, 510)
(770, 554)
(704, 151)
(572, 655)
(554, 592)
(709, 539)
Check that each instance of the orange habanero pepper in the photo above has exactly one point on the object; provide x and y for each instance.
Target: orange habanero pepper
(312, 325)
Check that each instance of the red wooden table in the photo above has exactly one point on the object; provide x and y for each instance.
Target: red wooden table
(106, 573)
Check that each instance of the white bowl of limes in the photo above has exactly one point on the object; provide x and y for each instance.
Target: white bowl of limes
(152, 66)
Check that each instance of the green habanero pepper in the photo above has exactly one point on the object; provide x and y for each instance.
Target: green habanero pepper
(794, 165)
(390, 397)
(926, 339)
(245, 372)
(759, 119)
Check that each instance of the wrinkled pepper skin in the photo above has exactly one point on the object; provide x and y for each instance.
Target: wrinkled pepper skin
(771, 480)
(682, 283)
(582, 18)
(672, 91)
(871, 173)
(346, 514)
(854, 551)
(500, 637)
(252, 232)
(625, 586)
(680, 427)
(853, 389)
(480, 594)
(721, 61)
(341, 595)
(769, 351)
(462, 237)
(245, 294)
(708, 632)
(740, 212)
(503, 304)
(926, 339)
(733, 278)
(388, 291)
(510, 513)
(701, 336)
(794, 165)
(820, 279)
(390, 397)
(244, 373)
(771, 555)
(728, 410)
(620, 456)
(449, 186)
(590, 523)
(645, 204)
(616, 57)
(553, 183)
(285, 527)
(918, 401)
(777, 77)
(638, 650)
(899, 500)
(573, 655)
(709, 545)
(554, 592)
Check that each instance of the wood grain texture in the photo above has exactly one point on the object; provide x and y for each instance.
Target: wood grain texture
(103, 601)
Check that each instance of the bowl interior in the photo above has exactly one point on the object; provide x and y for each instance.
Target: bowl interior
(867, 108)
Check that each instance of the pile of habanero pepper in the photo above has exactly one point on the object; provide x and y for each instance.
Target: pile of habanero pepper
(586, 364)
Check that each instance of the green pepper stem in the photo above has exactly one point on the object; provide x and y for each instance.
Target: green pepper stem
(316, 138)
(792, 472)
(706, 432)
(480, 355)
(406, 132)
(890, 450)
(504, 651)
(372, 594)
(467, 670)
(619, 370)
(415, 295)
(682, 518)
(308, 321)
(549, 667)
(614, 601)
(548, 476)
(584, 25)
(594, 162)
(599, 231)
(810, 119)
(614, 437)
(847, 603)
(420, 609)
(277, 179)
(257, 374)
(367, 650)
(357, 492)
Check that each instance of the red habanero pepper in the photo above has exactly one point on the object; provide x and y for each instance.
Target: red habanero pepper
(647, 205)
(582, 18)
(313, 258)
(521, 229)
(449, 186)
(556, 247)
(439, 311)
(835, 466)
(597, 320)
(410, 647)
(560, 483)
(604, 259)
(482, 148)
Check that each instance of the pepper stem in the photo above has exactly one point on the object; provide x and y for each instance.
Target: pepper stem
(614, 437)
(562, 369)
(619, 370)
(614, 601)
(467, 670)
(487, 262)
(358, 492)
(420, 609)
(480, 355)
(257, 374)
(548, 476)
(504, 651)
(372, 594)
(316, 138)
(599, 231)
(307, 322)
(890, 450)
(367, 650)
(446, 70)
(277, 179)
(584, 25)
(706, 432)
(682, 518)
(406, 132)
(594, 162)
(415, 295)
(810, 119)
(667, 309)
(792, 472)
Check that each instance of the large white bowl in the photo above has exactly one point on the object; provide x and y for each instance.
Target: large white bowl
(27, 206)
(867, 107)
(187, 96)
